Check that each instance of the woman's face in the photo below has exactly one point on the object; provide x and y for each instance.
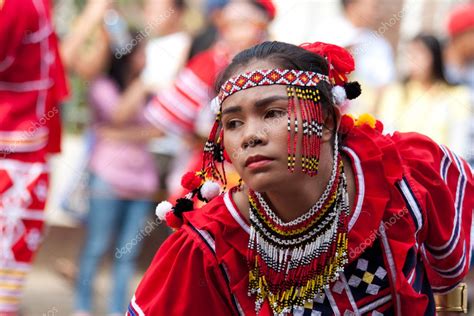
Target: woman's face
(420, 61)
(256, 137)
(242, 25)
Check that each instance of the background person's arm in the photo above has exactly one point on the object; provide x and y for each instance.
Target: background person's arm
(87, 63)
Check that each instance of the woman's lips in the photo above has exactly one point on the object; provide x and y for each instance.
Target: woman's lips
(258, 161)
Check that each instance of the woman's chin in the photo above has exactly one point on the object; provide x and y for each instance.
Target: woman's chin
(263, 183)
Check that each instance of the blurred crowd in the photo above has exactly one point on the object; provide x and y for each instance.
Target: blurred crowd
(150, 70)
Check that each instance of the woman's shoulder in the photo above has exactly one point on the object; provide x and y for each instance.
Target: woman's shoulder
(185, 262)
(220, 225)
(398, 156)
(368, 139)
(213, 229)
(416, 149)
(219, 216)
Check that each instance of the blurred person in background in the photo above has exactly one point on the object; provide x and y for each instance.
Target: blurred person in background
(460, 58)
(85, 54)
(425, 102)
(183, 109)
(167, 49)
(372, 51)
(32, 86)
(208, 35)
(87, 61)
(356, 30)
(123, 174)
(166, 55)
(460, 50)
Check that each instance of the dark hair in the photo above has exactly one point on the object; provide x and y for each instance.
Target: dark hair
(436, 51)
(286, 56)
(345, 3)
(180, 4)
(119, 65)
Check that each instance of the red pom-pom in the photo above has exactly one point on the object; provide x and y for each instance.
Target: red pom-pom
(190, 181)
(379, 126)
(347, 124)
(173, 221)
(341, 62)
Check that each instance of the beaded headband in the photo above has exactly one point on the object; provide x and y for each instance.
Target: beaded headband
(269, 77)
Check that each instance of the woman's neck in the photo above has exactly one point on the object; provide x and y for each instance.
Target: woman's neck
(425, 82)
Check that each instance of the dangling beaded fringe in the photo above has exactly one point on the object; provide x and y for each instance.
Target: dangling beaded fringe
(312, 128)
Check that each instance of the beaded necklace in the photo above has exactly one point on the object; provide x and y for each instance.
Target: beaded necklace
(289, 263)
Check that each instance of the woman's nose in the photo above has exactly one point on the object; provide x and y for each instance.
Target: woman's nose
(254, 135)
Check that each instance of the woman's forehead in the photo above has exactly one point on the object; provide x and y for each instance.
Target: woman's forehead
(250, 96)
(254, 94)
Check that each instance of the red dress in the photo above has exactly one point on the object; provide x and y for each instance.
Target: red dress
(409, 236)
(32, 85)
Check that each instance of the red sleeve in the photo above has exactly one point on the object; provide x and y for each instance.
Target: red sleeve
(183, 279)
(14, 17)
(442, 183)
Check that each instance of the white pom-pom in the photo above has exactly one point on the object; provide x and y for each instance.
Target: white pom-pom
(339, 94)
(210, 190)
(162, 209)
(215, 106)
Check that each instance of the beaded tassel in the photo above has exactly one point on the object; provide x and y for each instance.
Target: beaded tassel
(312, 126)
(305, 121)
(314, 131)
(214, 153)
(292, 134)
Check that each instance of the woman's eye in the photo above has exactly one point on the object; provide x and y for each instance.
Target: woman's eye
(274, 113)
(233, 124)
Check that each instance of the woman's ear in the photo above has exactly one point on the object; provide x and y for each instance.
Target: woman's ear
(331, 123)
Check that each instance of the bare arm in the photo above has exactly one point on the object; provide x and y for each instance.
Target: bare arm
(130, 133)
(86, 65)
(130, 102)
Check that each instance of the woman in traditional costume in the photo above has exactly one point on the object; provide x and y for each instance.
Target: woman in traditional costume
(332, 216)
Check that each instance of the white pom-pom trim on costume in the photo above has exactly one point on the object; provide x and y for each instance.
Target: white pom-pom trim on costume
(339, 95)
(210, 190)
(162, 209)
(215, 106)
